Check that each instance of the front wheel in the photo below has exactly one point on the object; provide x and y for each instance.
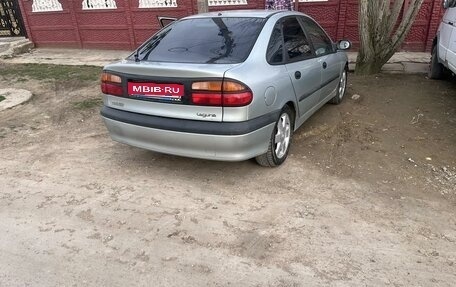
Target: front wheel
(340, 89)
(280, 141)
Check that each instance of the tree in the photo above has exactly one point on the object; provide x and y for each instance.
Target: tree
(380, 33)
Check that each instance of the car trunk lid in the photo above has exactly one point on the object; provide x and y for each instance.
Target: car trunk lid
(164, 89)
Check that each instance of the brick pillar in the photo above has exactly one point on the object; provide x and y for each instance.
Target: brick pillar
(25, 20)
(192, 9)
(341, 21)
(131, 31)
(73, 5)
(436, 16)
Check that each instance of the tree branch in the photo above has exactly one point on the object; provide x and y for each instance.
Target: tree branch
(365, 29)
(385, 12)
(407, 21)
(395, 12)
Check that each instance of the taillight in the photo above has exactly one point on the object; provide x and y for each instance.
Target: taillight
(207, 99)
(111, 84)
(237, 99)
(221, 93)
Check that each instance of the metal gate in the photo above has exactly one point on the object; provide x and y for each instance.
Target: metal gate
(10, 19)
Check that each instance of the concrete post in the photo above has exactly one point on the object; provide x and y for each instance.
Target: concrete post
(203, 6)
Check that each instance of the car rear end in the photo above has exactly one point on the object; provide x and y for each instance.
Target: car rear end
(172, 96)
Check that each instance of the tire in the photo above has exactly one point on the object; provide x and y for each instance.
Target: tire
(341, 88)
(280, 141)
(435, 68)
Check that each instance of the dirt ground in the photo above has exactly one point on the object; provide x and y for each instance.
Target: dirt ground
(366, 198)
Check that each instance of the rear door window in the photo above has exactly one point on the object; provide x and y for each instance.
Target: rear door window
(215, 40)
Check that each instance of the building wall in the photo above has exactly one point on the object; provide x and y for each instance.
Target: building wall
(125, 24)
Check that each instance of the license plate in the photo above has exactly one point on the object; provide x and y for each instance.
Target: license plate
(161, 91)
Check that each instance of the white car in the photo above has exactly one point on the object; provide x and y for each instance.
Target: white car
(444, 45)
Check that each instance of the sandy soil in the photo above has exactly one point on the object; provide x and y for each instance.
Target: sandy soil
(366, 198)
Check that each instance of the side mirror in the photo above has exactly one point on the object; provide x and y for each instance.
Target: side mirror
(448, 4)
(343, 45)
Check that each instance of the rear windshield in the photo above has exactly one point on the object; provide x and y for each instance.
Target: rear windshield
(204, 40)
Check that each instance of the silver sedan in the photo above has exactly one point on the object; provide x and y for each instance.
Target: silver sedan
(226, 86)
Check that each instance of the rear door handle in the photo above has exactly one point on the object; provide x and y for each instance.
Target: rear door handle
(298, 75)
(325, 65)
(451, 23)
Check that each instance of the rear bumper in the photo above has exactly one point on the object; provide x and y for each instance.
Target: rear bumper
(197, 139)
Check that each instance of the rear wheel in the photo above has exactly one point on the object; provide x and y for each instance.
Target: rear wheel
(280, 141)
(435, 68)
(340, 89)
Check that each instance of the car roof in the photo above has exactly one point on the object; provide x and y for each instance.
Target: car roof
(259, 13)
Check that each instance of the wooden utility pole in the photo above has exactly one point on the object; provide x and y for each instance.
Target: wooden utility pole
(203, 6)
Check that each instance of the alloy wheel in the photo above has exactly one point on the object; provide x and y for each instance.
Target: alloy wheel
(282, 136)
(342, 84)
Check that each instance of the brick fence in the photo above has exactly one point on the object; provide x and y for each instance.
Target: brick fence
(125, 24)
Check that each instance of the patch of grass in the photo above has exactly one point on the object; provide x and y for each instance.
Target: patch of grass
(45, 71)
(2, 98)
(87, 104)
